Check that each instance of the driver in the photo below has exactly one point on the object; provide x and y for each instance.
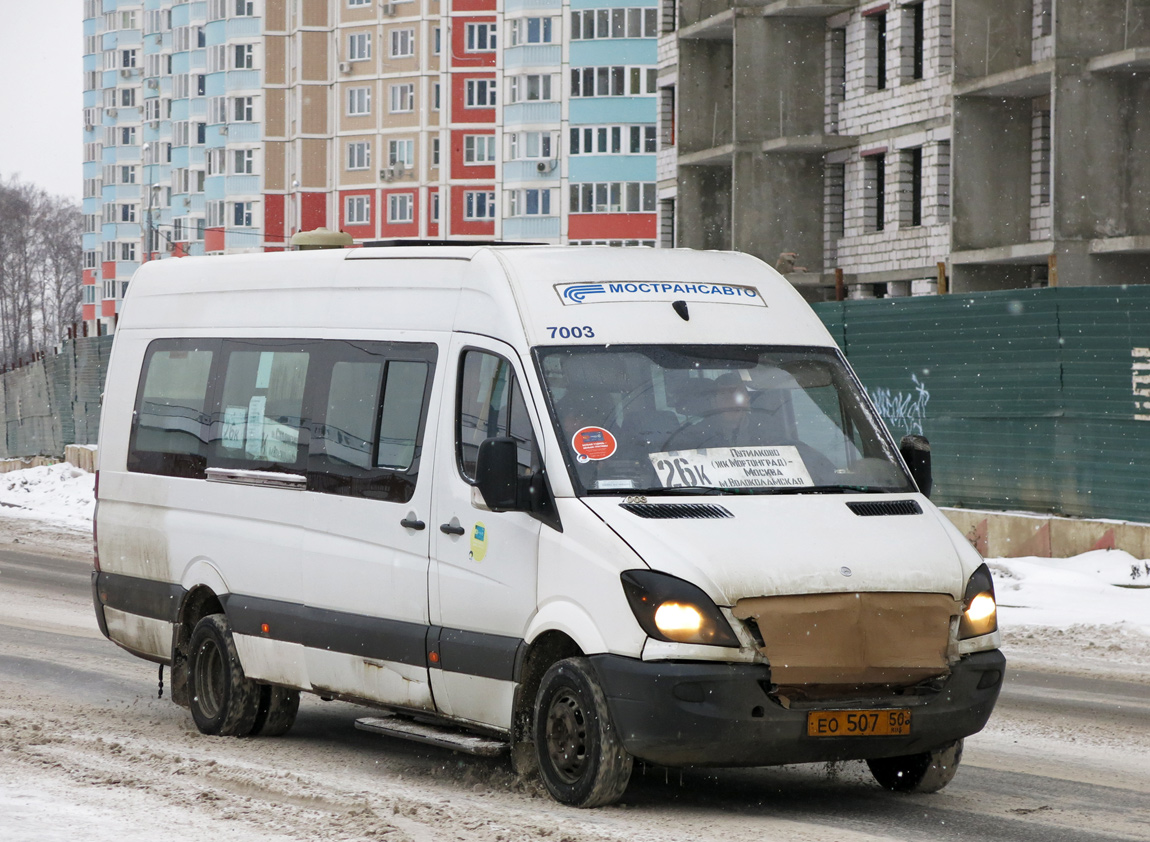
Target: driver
(727, 418)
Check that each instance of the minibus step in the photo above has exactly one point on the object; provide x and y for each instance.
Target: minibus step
(422, 732)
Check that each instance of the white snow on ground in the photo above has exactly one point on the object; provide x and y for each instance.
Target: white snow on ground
(59, 494)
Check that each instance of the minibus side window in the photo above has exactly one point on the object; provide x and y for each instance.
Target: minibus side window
(261, 408)
(491, 406)
(170, 429)
(374, 399)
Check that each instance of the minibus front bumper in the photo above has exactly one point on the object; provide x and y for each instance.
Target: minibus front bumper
(716, 714)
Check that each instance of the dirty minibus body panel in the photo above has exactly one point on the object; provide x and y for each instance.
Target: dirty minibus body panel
(615, 375)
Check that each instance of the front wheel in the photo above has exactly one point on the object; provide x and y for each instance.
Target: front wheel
(581, 759)
(223, 700)
(926, 772)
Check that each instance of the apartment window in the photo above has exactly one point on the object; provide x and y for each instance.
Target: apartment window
(613, 197)
(531, 31)
(359, 155)
(480, 93)
(359, 46)
(613, 140)
(531, 145)
(128, 58)
(437, 37)
(615, 23)
(242, 214)
(402, 43)
(201, 83)
(127, 213)
(433, 213)
(402, 98)
(357, 210)
(918, 38)
(532, 88)
(245, 8)
(214, 161)
(215, 214)
(127, 135)
(358, 101)
(435, 97)
(480, 37)
(912, 189)
(876, 51)
(400, 207)
(245, 56)
(243, 110)
(128, 252)
(152, 109)
(218, 109)
(874, 191)
(128, 97)
(530, 202)
(613, 81)
(478, 204)
(243, 161)
(478, 148)
(354, 3)
(435, 152)
(401, 152)
(127, 175)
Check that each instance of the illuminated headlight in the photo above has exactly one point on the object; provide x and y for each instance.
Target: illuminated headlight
(672, 609)
(980, 612)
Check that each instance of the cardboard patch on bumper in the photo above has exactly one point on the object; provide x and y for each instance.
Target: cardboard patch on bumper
(853, 638)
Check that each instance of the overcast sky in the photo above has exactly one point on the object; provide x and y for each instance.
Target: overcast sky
(41, 93)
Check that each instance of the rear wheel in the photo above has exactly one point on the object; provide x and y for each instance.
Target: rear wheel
(278, 707)
(223, 701)
(926, 772)
(581, 759)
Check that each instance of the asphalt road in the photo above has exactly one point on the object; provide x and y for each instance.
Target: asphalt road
(1064, 758)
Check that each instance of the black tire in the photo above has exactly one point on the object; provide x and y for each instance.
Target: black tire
(926, 772)
(223, 701)
(278, 707)
(581, 759)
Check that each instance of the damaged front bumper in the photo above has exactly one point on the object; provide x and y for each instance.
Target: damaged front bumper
(713, 714)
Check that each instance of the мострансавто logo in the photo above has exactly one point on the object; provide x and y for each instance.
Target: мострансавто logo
(595, 293)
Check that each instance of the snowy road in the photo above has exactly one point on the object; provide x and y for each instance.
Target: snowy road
(85, 747)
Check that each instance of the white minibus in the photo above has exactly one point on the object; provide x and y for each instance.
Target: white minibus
(583, 505)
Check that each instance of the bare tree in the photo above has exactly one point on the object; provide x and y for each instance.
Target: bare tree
(39, 268)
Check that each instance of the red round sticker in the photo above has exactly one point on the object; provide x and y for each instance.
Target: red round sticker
(593, 443)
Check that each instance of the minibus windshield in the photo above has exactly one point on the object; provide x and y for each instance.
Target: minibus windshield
(715, 419)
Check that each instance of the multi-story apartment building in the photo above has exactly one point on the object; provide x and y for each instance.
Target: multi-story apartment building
(228, 125)
(982, 144)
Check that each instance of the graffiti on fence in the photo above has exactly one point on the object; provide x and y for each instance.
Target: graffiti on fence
(1140, 373)
(903, 410)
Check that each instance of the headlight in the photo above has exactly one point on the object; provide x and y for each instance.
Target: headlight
(672, 609)
(980, 612)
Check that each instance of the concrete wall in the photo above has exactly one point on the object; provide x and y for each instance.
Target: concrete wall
(1006, 535)
(991, 36)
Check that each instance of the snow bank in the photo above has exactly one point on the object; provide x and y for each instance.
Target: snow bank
(56, 493)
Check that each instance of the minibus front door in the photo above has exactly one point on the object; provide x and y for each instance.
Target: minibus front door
(483, 571)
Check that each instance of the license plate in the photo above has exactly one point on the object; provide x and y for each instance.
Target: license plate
(858, 723)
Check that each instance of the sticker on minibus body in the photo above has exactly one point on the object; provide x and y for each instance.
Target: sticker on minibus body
(618, 291)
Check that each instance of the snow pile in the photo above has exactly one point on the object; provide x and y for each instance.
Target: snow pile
(1102, 587)
(60, 493)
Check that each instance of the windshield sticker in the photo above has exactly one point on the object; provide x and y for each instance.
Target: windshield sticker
(614, 484)
(592, 444)
(232, 434)
(597, 293)
(732, 467)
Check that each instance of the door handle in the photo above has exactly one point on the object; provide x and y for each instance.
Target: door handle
(451, 529)
(412, 522)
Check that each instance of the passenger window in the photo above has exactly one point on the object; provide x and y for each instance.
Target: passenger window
(367, 442)
(491, 406)
(261, 424)
(172, 419)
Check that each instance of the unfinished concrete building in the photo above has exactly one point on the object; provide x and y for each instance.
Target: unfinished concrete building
(976, 144)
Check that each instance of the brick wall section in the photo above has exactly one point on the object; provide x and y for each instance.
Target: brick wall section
(908, 113)
(54, 401)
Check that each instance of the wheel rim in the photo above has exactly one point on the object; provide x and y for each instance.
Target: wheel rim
(210, 679)
(567, 736)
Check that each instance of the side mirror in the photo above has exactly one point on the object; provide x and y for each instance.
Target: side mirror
(497, 474)
(915, 452)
